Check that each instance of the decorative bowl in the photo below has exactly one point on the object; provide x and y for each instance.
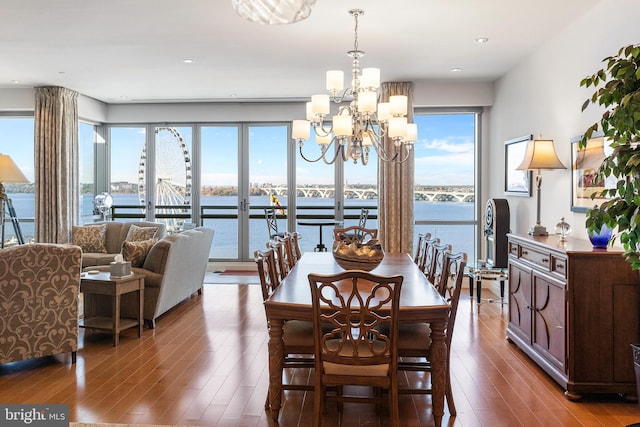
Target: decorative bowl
(358, 256)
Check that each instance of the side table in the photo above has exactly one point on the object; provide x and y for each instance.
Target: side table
(478, 275)
(103, 284)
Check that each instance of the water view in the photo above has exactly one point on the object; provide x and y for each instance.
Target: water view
(225, 242)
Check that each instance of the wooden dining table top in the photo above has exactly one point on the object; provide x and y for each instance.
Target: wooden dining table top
(419, 300)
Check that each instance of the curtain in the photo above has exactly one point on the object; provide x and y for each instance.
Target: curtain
(395, 186)
(57, 188)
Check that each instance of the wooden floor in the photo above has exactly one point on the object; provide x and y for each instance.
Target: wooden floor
(205, 364)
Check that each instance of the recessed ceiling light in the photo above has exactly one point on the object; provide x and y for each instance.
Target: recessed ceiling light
(481, 40)
(124, 97)
(233, 95)
(188, 61)
(15, 82)
(456, 70)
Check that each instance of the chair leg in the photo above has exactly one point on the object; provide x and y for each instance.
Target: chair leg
(318, 397)
(448, 391)
(267, 406)
(394, 413)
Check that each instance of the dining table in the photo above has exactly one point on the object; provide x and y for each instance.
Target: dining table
(419, 302)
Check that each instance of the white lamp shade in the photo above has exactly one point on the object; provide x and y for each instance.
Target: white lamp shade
(9, 171)
(397, 127)
(320, 104)
(301, 129)
(370, 78)
(384, 114)
(335, 80)
(398, 105)
(540, 154)
(310, 115)
(366, 139)
(367, 102)
(342, 125)
(412, 133)
(323, 140)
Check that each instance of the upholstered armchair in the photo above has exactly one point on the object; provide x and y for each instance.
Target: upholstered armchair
(39, 286)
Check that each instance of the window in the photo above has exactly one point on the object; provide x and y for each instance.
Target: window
(16, 140)
(445, 187)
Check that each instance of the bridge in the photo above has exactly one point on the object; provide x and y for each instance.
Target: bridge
(452, 194)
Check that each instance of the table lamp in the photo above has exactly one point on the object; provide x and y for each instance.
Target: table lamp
(9, 172)
(540, 154)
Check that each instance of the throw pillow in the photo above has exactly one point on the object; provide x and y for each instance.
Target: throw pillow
(91, 238)
(136, 252)
(137, 234)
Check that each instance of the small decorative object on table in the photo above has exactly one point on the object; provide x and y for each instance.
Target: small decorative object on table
(120, 268)
(358, 256)
(600, 239)
(563, 229)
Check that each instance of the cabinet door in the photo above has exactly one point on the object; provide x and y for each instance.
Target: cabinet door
(520, 301)
(549, 319)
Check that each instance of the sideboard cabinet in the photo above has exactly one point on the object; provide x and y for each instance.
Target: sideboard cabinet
(575, 311)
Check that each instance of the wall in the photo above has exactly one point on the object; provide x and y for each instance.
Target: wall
(542, 96)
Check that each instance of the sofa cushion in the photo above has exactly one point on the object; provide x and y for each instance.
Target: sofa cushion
(136, 252)
(91, 238)
(137, 234)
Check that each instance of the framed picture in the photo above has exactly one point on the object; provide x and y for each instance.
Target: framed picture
(516, 182)
(584, 166)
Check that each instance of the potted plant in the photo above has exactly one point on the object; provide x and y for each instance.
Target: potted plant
(618, 91)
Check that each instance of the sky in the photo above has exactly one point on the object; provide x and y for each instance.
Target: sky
(444, 153)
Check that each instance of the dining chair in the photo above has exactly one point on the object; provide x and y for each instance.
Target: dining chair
(297, 334)
(434, 267)
(272, 223)
(362, 223)
(289, 251)
(278, 247)
(420, 248)
(354, 352)
(355, 233)
(429, 254)
(414, 339)
(295, 243)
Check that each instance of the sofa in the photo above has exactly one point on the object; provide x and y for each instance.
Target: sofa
(115, 233)
(174, 270)
(39, 286)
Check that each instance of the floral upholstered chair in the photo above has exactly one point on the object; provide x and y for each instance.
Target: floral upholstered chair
(39, 285)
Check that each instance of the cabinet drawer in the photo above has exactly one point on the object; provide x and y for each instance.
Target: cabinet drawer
(559, 266)
(513, 249)
(537, 257)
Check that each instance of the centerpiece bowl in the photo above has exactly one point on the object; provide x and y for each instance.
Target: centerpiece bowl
(358, 256)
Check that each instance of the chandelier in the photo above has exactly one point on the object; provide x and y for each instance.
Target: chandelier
(361, 124)
(273, 12)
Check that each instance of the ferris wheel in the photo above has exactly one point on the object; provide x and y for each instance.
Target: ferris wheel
(173, 176)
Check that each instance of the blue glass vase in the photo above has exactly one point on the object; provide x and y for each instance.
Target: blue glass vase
(601, 239)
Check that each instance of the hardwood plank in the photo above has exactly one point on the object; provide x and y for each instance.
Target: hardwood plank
(206, 364)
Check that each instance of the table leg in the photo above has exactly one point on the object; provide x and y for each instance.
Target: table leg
(116, 319)
(479, 290)
(276, 354)
(438, 356)
(471, 288)
(140, 311)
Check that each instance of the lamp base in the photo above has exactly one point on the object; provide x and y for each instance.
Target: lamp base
(538, 230)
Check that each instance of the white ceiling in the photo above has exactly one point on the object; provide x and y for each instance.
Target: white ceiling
(133, 50)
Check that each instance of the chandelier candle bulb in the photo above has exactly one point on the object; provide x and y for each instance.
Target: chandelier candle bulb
(320, 104)
(301, 129)
(310, 115)
(412, 132)
(342, 125)
(398, 105)
(384, 112)
(335, 80)
(367, 102)
(371, 78)
(324, 139)
(397, 127)
(366, 139)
